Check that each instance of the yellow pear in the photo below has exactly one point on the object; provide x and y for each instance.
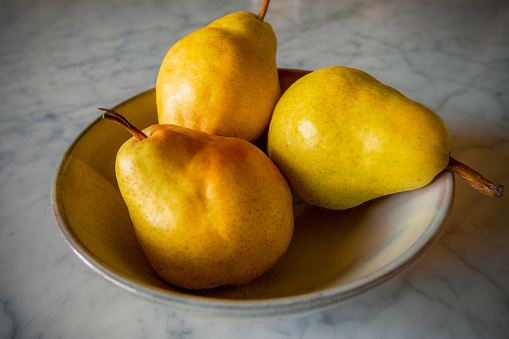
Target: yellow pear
(341, 138)
(207, 210)
(222, 79)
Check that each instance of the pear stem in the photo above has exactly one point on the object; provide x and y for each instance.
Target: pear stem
(263, 10)
(119, 119)
(475, 179)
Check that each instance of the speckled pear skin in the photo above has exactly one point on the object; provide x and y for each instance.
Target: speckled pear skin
(221, 79)
(208, 211)
(342, 138)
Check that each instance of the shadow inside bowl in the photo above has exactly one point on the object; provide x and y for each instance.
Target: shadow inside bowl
(334, 248)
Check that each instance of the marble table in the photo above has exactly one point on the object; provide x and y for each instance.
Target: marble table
(59, 60)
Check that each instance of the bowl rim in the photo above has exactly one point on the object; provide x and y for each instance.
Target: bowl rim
(251, 308)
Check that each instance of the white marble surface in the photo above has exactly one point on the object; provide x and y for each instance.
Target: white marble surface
(59, 60)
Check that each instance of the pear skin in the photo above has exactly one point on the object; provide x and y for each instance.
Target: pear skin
(341, 138)
(207, 210)
(222, 79)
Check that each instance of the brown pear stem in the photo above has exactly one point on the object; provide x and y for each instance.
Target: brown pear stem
(119, 119)
(263, 10)
(475, 179)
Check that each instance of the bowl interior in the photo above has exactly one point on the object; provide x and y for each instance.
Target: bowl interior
(333, 256)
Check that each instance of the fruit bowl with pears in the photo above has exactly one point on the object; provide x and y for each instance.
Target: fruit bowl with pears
(258, 193)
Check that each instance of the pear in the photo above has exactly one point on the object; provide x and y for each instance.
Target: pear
(207, 210)
(341, 138)
(222, 79)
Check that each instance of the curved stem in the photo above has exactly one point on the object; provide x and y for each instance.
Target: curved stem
(475, 179)
(263, 10)
(119, 119)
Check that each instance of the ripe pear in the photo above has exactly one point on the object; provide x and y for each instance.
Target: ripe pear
(341, 138)
(222, 79)
(207, 210)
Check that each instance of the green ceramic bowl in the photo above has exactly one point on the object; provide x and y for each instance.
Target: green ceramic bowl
(334, 255)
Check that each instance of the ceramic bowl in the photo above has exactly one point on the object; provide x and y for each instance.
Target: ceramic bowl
(334, 255)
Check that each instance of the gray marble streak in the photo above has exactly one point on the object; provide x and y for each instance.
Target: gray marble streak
(59, 60)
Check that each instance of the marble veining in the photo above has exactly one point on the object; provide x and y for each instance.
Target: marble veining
(59, 60)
